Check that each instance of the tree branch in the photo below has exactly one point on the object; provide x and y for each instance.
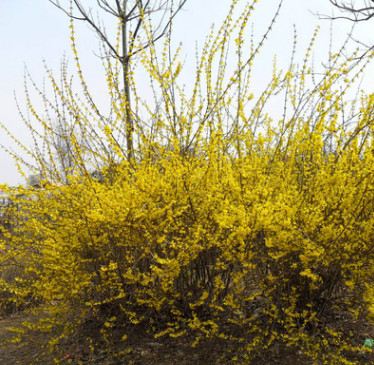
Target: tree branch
(357, 14)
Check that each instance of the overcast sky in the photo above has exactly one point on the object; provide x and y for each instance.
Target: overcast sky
(34, 30)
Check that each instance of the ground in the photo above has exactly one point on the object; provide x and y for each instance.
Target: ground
(146, 351)
(16, 353)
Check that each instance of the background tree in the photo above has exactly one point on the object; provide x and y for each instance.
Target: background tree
(130, 15)
(65, 149)
(356, 11)
(72, 130)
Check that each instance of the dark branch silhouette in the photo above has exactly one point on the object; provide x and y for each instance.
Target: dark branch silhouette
(355, 11)
(130, 14)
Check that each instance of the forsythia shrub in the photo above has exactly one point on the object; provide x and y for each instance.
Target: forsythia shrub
(253, 250)
(259, 237)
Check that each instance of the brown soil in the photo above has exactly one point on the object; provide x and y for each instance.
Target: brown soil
(145, 351)
(23, 353)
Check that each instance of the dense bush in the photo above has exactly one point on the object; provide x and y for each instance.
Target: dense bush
(253, 250)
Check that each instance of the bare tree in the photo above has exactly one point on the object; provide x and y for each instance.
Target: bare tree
(65, 148)
(356, 11)
(131, 16)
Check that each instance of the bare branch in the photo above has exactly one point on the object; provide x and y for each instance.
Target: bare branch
(103, 4)
(68, 13)
(355, 12)
(126, 13)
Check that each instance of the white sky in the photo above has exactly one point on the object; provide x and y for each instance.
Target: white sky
(33, 30)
